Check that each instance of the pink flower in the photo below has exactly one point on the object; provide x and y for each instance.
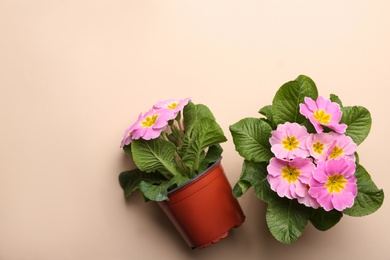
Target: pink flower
(148, 126)
(342, 146)
(323, 112)
(307, 199)
(318, 145)
(174, 105)
(127, 136)
(289, 141)
(334, 184)
(289, 178)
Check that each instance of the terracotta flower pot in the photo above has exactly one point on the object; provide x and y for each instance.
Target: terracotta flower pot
(204, 209)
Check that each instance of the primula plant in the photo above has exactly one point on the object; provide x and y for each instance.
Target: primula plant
(301, 159)
(170, 144)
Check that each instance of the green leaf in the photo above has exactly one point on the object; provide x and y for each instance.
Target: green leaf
(241, 187)
(202, 131)
(193, 114)
(359, 122)
(357, 158)
(251, 139)
(324, 220)
(154, 192)
(254, 174)
(155, 155)
(213, 154)
(127, 150)
(267, 112)
(159, 192)
(249, 176)
(369, 198)
(336, 99)
(130, 180)
(177, 181)
(285, 105)
(286, 219)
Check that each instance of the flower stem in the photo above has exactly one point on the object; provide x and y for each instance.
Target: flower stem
(181, 128)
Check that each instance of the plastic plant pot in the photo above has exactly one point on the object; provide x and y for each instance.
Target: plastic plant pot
(204, 210)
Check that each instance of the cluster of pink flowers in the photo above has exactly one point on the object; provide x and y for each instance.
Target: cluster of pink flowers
(152, 123)
(316, 169)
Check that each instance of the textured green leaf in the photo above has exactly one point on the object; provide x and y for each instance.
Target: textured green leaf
(202, 132)
(335, 98)
(127, 150)
(324, 220)
(285, 105)
(154, 192)
(158, 191)
(155, 155)
(286, 219)
(203, 135)
(369, 198)
(267, 112)
(130, 180)
(251, 139)
(357, 158)
(213, 154)
(250, 175)
(193, 114)
(254, 174)
(359, 122)
(240, 188)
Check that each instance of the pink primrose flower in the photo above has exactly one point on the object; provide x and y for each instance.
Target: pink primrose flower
(288, 141)
(127, 136)
(307, 199)
(323, 112)
(174, 105)
(148, 126)
(318, 145)
(334, 184)
(289, 178)
(152, 124)
(342, 146)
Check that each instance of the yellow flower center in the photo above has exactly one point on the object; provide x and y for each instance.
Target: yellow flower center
(173, 105)
(291, 174)
(318, 147)
(149, 121)
(336, 183)
(290, 143)
(336, 152)
(322, 117)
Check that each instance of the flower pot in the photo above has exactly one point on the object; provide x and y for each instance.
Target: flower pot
(203, 210)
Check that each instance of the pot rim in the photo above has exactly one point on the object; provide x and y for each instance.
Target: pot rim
(197, 176)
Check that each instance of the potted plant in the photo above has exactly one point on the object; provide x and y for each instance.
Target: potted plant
(300, 157)
(176, 148)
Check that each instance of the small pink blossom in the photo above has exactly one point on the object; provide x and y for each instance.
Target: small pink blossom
(323, 112)
(342, 147)
(318, 145)
(334, 184)
(289, 141)
(174, 105)
(148, 126)
(289, 178)
(127, 136)
(307, 199)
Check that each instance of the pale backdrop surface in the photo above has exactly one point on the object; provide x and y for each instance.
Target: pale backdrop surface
(75, 74)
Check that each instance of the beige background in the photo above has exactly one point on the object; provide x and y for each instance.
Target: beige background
(75, 74)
